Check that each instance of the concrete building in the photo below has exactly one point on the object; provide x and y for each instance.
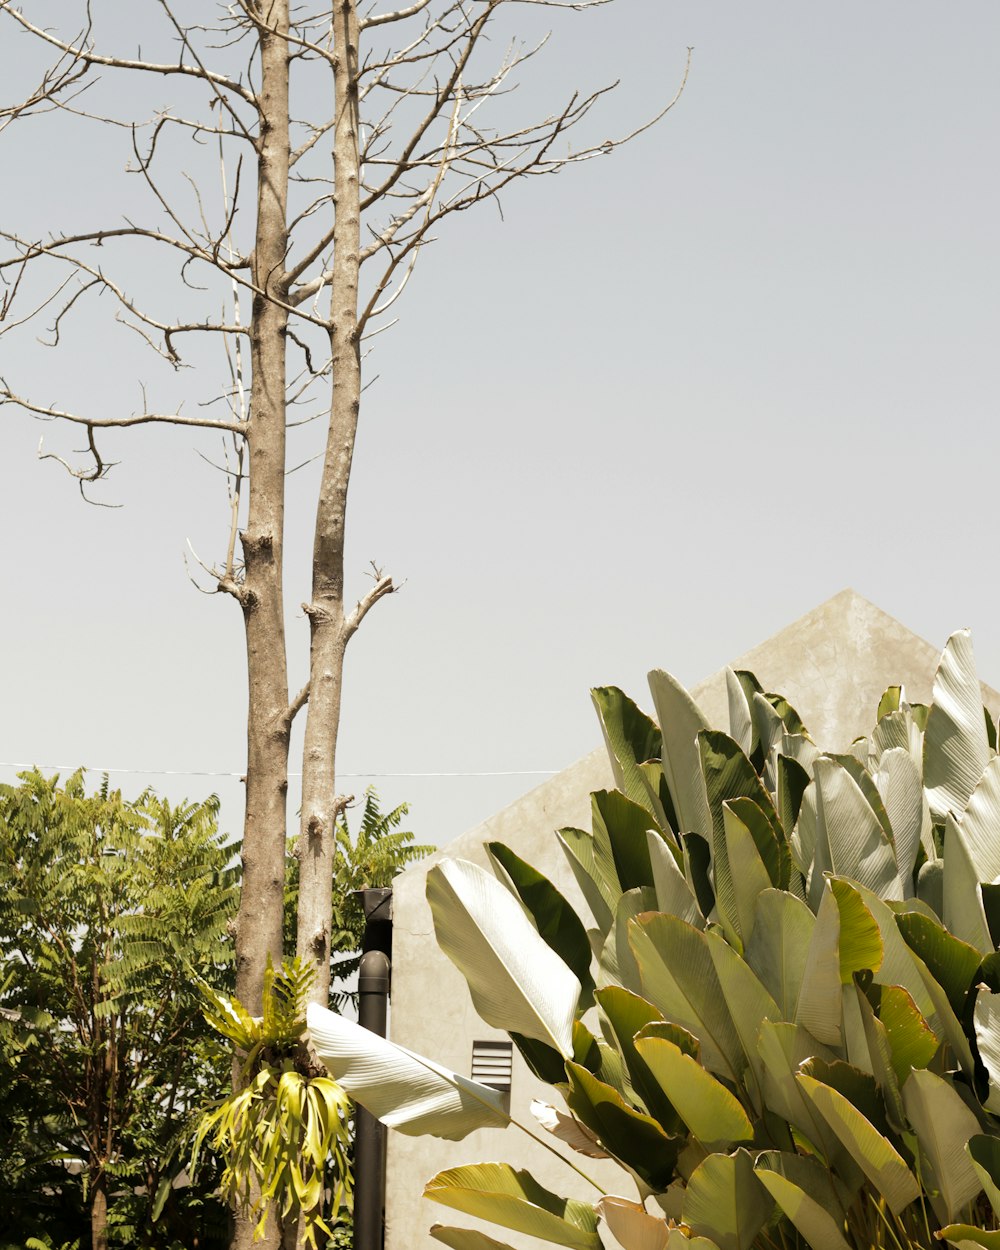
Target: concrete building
(833, 664)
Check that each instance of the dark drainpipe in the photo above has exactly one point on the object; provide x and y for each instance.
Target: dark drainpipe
(369, 1134)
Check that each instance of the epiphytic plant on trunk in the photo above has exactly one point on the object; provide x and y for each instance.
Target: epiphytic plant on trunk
(792, 961)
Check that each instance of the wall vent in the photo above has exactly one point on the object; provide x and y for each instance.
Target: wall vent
(492, 1063)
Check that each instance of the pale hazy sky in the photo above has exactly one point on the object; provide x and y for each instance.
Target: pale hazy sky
(678, 397)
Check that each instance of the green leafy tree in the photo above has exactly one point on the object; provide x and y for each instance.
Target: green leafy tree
(110, 912)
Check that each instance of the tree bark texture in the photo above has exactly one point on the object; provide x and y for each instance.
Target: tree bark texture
(258, 932)
(330, 628)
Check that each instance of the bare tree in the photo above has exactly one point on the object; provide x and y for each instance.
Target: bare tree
(292, 237)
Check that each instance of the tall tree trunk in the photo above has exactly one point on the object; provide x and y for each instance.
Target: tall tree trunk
(259, 923)
(258, 933)
(330, 627)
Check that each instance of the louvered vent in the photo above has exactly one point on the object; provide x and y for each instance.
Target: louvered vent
(492, 1063)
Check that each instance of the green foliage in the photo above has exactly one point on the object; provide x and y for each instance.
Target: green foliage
(108, 910)
(284, 1130)
(797, 980)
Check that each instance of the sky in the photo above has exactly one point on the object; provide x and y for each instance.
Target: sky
(672, 400)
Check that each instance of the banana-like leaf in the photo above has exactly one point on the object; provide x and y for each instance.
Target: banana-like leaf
(898, 964)
(673, 891)
(679, 1240)
(621, 825)
(617, 964)
(517, 982)
(911, 1039)
(874, 1154)
(740, 875)
(779, 947)
(631, 1224)
(804, 1190)
(556, 921)
(710, 1111)
(403, 1090)
(600, 890)
(984, 1152)
(952, 962)
(850, 839)
(943, 1125)
(514, 1200)
(634, 1138)
(741, 726)
(980, 821)
(901, 787)
(987, 1025)
(749, 1005)
(576, 1135)
(791, 783)
(962, 898)
(729, 775)
(626, 1013)
(784, 1048)
(860, 940)
(466, 1238)
(726, 1202)
(879, 1050)
(632, 739)
(681, 721)
(679, 979)
(819, 1008)
(956, 746)
(967, 1237)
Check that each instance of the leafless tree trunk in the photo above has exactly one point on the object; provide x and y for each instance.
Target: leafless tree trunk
(345, 201)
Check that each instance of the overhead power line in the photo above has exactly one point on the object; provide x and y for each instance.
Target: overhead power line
(194, 772)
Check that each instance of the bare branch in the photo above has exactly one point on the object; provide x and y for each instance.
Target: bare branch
(383, 586)
(7, 396)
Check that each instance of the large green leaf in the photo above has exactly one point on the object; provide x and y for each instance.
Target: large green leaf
(791, 783)
(617, 964)
(819, 1008)
(779, 947)
(710, 1111)
(901, 787)
(740, 874)
(466, 1238)
(673, 890)
(556, 921)
(965, 1236)
(622, 824)
(880, 1056)
(956, 746)
(784, 1048)
(984, 1152)
(803, 1189)
(729, 775)
(517, 982)
(726, 1202)
(403, 1090)
(681, 721)
(952, 962)
(626, 1014)
(898, 964)
(943, 1125)
(632, 739)
(860, 940)
(874, 1154)
(600, 890)
(850, 839)
(980, 822)
(679, 979)
(513, 1199)
(987, 1025)
(962, 905)
(912, 1041)
(741, 726)
(634, 1138)
(749, 1005)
